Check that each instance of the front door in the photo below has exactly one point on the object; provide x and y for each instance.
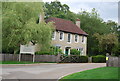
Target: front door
(66, 51)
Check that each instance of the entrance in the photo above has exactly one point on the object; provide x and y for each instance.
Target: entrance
(67, 50)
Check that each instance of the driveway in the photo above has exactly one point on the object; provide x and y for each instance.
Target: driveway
(45, 71)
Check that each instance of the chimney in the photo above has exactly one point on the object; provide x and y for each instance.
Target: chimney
(78, 22)
(41, 17)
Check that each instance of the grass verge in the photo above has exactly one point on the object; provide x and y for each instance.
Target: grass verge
(98, 73)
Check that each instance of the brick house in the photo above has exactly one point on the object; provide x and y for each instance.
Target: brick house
(68, 35)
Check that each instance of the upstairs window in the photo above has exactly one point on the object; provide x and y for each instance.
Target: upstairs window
(61, 35)
(83, 38)
(69, 37)
(53, 35)
(76, 38)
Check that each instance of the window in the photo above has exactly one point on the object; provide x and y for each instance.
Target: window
(83, 38)
(61, 35)
(53, 35)
(69, 37)
(76, 38)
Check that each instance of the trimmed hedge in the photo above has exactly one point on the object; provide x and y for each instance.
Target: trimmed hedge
(74, 59)
(98, 59)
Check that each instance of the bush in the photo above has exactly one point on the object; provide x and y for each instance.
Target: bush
(74, 52)
(74, 59)
(83, 59)
(42, 53)
(98, 59)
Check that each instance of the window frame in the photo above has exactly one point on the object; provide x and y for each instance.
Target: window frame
(70, 37)
(54, 32)
(77, 38)
(60, 36)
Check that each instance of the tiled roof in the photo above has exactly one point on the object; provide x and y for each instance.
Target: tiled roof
(66, 26)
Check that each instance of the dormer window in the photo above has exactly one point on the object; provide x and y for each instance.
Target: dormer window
(61, 36)
(76, 38)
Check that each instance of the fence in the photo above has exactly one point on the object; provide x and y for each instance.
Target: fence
(113, 61)
(27, 57)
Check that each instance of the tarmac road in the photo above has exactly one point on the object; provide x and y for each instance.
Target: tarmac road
(45, 70)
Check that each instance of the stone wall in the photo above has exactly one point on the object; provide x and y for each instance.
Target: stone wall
(113, 61)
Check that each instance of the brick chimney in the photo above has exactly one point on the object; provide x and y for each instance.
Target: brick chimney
(78, 22)
(41, 17)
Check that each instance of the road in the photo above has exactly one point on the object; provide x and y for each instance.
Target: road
(45, 71)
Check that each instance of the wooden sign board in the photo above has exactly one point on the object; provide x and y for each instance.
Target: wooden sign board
(29, 49)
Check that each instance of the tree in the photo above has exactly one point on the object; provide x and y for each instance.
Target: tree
(107, 42)
(92, 23)
(56, 9)
(20, 26)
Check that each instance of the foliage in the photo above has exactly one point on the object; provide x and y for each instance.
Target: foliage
(107, 42)
(56, 9)
(92, 23)
(74, 59)
(74, 52)
(83, 59)
(20, 25)
(51, 51)
(98, 59)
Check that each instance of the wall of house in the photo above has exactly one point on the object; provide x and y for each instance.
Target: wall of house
(73, 44)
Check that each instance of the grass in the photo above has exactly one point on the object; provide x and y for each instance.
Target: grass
(98, 73)
(21, 62)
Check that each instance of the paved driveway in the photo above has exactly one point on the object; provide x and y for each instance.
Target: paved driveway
(45, 71)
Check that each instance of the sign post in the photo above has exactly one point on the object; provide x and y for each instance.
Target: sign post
(27, 49)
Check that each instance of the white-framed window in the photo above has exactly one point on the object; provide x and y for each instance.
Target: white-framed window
(69, 38)
(61, 36)
(53, 35)
(83, 39)
(76, 38)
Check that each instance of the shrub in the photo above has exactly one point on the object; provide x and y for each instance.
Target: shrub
(74, 59)
(74, 52)
(83, 59)
(42, 53)
(98, 59)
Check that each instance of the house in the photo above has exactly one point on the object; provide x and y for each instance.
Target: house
(68, 35)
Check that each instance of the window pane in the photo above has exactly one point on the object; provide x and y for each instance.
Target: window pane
(76, 38)
(61, 35)
(69, 37)
(82, 38)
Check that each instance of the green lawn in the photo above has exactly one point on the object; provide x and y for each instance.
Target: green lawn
(21, 62)
(98, 73)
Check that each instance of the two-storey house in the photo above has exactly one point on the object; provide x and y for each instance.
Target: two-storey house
(68, 35)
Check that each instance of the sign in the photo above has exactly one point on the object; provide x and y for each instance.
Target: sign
(29, 49)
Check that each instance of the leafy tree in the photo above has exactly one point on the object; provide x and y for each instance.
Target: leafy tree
(107, 42)
(92, 23)
(56, 9)
(20, 25)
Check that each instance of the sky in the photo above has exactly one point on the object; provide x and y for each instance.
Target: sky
(108, 9)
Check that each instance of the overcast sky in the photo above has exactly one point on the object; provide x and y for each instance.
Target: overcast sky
(108, 9)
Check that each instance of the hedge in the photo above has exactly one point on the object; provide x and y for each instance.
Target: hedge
(98, 59)
(74, 59)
